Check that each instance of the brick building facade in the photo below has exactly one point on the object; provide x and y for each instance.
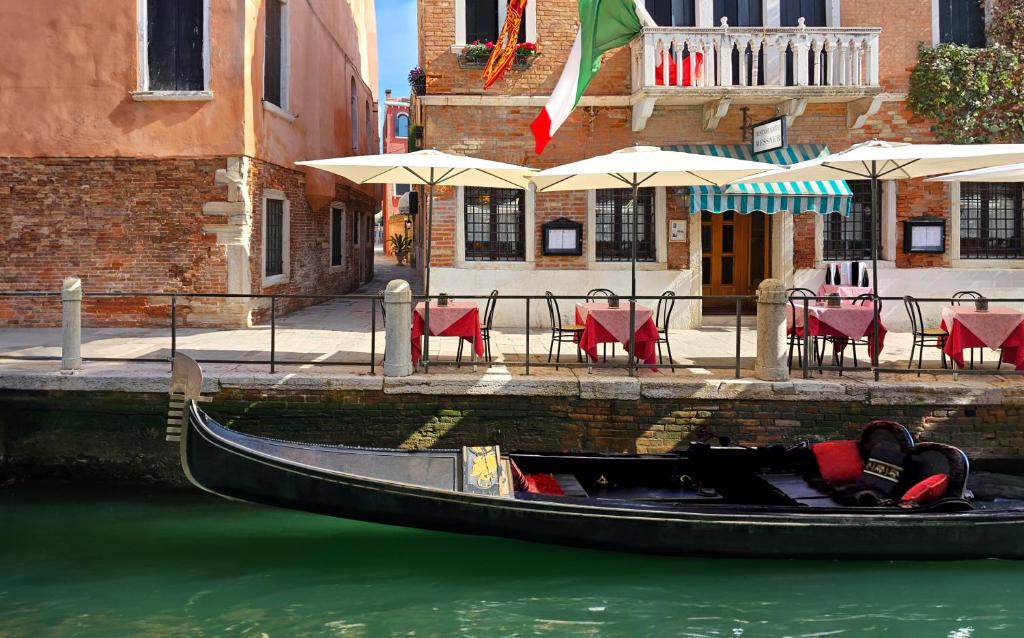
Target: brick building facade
(396, 140)
(851, 89)
(147, 157)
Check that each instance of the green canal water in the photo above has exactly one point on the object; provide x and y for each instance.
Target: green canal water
(93, 563)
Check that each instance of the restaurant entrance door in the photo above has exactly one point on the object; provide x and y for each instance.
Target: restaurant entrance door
(735, 257)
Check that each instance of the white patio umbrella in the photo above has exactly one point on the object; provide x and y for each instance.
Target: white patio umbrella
(878, 160)
(645, 166)
(1008, 173)
(430, 168)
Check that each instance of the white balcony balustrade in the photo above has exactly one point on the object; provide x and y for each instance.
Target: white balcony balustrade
(785, 66)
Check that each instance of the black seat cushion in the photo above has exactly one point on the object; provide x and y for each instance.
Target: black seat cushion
(926, 459)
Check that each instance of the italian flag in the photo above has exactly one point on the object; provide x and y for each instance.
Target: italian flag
(604, 25)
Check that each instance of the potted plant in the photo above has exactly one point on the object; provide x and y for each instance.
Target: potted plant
(418, 81)
(400, 246)
(476, 54)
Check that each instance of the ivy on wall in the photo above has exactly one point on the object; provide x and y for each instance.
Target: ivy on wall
(975, 95)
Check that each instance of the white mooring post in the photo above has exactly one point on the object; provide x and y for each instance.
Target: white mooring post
(398, 333)
(71, 322)
(771, 362)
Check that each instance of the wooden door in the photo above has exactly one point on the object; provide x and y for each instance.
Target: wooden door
(735, 255)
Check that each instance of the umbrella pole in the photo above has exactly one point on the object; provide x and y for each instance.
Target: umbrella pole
(632, 293)
(426, 276)
(876, 210)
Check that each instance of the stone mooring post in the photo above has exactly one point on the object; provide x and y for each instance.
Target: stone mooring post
(71, 322)
(771, 362)
(398, 332)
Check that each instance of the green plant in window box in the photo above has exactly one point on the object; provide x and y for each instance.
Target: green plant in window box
(415, 140)
(476, 54)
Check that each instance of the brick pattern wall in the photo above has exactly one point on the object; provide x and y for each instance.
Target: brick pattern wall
(121, 435)
(310, 240)
(119, 224)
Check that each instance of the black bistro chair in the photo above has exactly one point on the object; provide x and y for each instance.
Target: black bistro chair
(861, 300)
(485, 327)
(662, 316)
(970, 295)
(561, 333)
(593, 295)
(935, 337)
(796, 340)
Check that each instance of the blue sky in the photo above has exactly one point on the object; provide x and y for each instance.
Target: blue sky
(396, 45)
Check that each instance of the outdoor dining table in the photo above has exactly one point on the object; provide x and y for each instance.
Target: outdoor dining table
(998, 328)
(604, 324)
(843, 322)
(456, 319)
(846, 292)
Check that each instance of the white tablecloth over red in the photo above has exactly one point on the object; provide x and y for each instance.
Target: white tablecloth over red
(999, 328)
(843, 322)
(457, 319)
(603, 324)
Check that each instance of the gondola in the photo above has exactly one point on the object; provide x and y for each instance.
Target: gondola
(709, 500)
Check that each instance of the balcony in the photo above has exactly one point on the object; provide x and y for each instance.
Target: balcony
(787, 67)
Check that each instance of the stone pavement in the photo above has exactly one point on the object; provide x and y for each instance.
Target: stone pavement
(336, 335)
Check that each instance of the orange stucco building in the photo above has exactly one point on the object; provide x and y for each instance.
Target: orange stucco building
(150, 145)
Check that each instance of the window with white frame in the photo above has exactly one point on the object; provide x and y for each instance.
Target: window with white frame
(174, 49)
(402, 125)
(494, 222)
(848, 238)
(337, 236)
(482, 20)
(353, 113)
(275, 60)
(613, 224)
(991, 219)
(276, 234)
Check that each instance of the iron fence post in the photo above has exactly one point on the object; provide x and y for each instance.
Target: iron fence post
(739, 326)
(807, 342)
(527, 335)
(174, 326)
(373, 335)
(632, 336)
(273, 330)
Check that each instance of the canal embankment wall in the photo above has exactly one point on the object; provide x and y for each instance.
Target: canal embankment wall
(111, 426)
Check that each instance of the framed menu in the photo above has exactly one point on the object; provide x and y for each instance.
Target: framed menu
(562, 236)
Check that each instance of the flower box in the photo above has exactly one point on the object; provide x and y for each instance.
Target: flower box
(475, 55)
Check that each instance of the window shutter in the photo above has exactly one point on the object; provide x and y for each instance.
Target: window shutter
(962, 22)
(812, 11)
(174, 33)
(335, 237)
(275, 237)
(481, 20)
(272, 54)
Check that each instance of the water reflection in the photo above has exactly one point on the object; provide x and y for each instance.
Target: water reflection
(162, 565)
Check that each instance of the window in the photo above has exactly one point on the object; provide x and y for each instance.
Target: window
(175, 32)
(990, 221)
(402, 126)
(355, 229)
(849, 238)
(672, 13)
(484, 19)
(614, 224)
(495, 223)
(369, 126)
(337, 221)
(275, 54)
(273, 240)
(961, 22)
(353, 113)
(402, 189)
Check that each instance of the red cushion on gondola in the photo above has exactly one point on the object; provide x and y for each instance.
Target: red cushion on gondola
(543, 484)
(838, 461)
(926, 491)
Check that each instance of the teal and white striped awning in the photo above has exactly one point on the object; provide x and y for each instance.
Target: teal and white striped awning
(825, 196)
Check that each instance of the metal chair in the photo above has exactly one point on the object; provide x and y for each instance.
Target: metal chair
(485, 329)
(797, 337)
(860, 300)
(971, 295)
(593, 295)
(561, 333)
(662, 315)
(922, 336)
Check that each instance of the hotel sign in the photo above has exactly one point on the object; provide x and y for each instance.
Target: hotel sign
(769, 135)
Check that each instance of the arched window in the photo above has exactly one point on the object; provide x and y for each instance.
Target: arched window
(402, 125)
(353, 113)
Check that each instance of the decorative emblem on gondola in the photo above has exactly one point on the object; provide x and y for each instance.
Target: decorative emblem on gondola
(483, 470)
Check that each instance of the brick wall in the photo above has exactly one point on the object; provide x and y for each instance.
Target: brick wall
(121, 435)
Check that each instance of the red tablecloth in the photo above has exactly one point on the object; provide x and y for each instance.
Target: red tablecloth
(842, 322)
(602, 324)
(969, 328)
(454, 320)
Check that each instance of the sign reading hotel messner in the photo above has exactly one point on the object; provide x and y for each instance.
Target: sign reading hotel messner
(769, 135)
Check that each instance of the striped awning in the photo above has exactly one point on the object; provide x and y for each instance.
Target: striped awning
(826, 196)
